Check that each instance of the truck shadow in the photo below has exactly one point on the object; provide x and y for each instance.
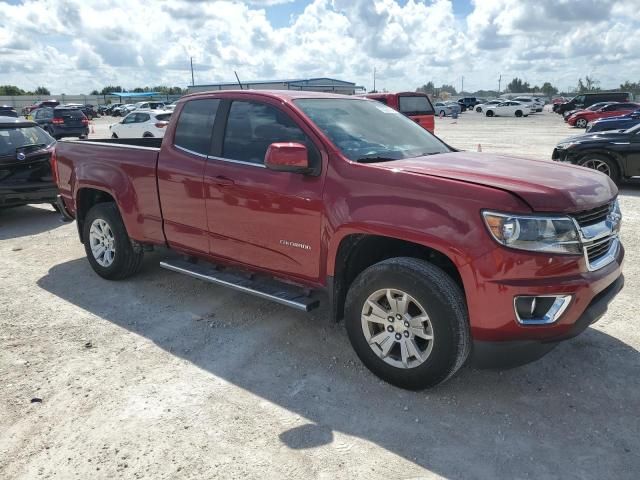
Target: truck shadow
(16, 222)
(573, 414)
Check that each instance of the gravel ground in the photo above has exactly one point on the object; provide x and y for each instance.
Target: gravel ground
(164, 377)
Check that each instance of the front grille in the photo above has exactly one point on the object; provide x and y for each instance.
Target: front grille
(593, 216)
(599, 250)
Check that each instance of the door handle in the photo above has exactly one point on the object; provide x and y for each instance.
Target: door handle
(222, 181)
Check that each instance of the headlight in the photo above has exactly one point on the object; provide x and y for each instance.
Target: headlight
(565, 145)
(534, 233)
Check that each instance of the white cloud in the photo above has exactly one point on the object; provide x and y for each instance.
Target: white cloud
(76, 46)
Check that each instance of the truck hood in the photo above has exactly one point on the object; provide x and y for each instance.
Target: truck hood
(544, 185)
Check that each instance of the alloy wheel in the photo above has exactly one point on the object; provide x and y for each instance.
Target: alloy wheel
(102, 242)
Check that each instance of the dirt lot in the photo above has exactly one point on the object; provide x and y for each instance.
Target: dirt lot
(165, 377)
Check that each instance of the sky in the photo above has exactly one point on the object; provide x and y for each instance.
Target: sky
(75, 46)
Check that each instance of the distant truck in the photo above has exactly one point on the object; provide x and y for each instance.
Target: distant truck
(431, 256)
(584, 100)
(414, 105)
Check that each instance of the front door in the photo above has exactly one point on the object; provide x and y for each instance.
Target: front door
(259, 217)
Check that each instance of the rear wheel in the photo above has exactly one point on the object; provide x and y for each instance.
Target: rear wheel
(479, 109)
(107, 244)
(113, 135)
(147, 135)
(442, 113)
(603, 165)
(581, 123)
(489, 113)
(407, 321)
(518, 113)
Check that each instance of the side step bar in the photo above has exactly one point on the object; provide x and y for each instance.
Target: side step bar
(269, 289)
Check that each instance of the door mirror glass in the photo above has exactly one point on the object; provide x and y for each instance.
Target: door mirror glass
(287, 157)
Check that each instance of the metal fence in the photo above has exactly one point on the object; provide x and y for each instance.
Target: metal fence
(19, 102)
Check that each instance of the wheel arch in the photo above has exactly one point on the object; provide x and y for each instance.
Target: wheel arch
(617, 158)
(357, 251)
(87, 197)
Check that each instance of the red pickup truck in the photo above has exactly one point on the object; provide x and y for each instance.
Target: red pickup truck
(431, 256)
(414, 105)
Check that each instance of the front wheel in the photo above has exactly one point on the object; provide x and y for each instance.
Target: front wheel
(489, 113)
(581, 123)
(442, 113)
(603, 165)
(107, 244)
(518, 113)
(113, 135)
(407, 321)
(479, 109)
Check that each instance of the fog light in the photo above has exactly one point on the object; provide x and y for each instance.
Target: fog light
(540, 310)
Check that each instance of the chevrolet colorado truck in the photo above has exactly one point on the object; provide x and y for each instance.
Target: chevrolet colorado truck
(432, 257)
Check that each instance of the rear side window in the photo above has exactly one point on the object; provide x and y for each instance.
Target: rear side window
(252, 127)
(142, 117)
(195, 126)
(415, 105)
(163, 117)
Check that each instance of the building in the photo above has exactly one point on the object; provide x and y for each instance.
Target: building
(311, 84)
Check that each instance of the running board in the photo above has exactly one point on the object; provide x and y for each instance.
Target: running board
(262, 287)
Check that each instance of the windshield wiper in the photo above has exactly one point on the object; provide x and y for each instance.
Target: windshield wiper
(30, 146)
(375, 159)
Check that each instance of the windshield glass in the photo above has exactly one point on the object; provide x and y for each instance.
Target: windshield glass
(634, 129)
(415, 105)
(13, 138)
(366, 130)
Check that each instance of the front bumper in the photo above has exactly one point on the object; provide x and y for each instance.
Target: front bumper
(15, 195)
(510, 354)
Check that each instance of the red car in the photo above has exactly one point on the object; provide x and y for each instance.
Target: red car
(431, 256)
(582, 118)
(414, 105)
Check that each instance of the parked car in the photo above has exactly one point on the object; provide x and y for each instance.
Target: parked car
(535, 104)
(8, 111)
(170, 107)
(581, 119)
(414, 105)
(112, 107)
(615, 153)
(62, 122)
(483, 106)
(509, 108)
(444, 109)
(431, 256)
(141, 123)
(622, 122)
(42, 104)
(149, 105)
(25, 171)
(592, 108)
(88, 110)
(587, 99)
(467, 103)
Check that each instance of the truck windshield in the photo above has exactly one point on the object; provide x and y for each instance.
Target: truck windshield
(368, 131)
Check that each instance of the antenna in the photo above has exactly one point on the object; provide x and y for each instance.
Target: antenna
(234, 72)
(193, 82)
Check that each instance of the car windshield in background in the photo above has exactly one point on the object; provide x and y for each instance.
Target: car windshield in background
(415, 105)
(634, 129)
(368, 131)
(15, 138)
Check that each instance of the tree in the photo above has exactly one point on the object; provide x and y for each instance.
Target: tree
(111, 89)
(429, 88)
(633, 87)
(11, 90)
(590, 84)
(449, 89)
(94, 92)
(518, 86)
(548, 89)
(42, 91)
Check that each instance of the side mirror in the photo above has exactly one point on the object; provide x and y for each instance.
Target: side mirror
(287, 157)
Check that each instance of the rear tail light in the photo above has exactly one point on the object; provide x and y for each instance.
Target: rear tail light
(161, 124)
(53, 159)
(57, 121)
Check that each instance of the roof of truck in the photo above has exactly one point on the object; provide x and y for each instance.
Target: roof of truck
(12, 122)
(279, 94)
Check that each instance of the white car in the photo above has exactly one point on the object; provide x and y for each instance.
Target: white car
(508, 109)
(490, 103)
(171, 106)
(534, 104)
(141, 123)
(149, 106)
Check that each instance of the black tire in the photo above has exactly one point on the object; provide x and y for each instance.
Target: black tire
(147, 135)
(489, 113)
(128, 258)
(443, 301)
(518, 113)
(479, 109)
(443, 113)
(56, 207)
(614, 171)
(113, 135)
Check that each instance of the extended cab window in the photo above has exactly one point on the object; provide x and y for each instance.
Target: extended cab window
(415, 105)
(252, 127)
(195, 126)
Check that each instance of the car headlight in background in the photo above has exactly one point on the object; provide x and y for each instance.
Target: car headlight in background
(534, 233)
(565, 145)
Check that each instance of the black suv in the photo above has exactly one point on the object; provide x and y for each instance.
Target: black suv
(585, 100)
(62, 122)
(25, 169)
(467, 103)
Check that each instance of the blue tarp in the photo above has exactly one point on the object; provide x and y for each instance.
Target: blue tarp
(133, 94)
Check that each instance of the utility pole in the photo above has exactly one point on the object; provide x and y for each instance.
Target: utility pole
(499, 82)
(462, 84)
(374, 79)
(193, 82)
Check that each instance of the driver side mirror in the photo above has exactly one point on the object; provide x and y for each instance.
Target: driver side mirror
(287, 157)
